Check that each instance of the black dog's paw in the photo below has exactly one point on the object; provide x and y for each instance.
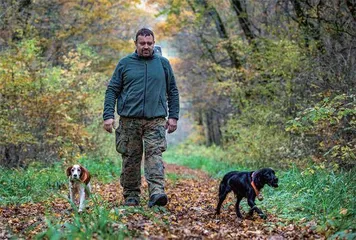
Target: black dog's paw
(263, 216)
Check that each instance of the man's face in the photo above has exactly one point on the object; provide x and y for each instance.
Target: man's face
(144, 45)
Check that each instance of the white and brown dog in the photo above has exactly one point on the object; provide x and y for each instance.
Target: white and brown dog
(79, 183)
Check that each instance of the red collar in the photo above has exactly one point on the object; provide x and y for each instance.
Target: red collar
(257, 192)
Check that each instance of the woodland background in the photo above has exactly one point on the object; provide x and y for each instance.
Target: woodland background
(262, 82)
(269, 81)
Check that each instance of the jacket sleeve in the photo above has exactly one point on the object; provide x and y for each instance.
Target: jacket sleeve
(172, 93)
(112, 92)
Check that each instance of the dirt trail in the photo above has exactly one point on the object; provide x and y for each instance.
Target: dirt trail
(188, 215)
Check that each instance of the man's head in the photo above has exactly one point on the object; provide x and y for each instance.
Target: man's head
(144, 42)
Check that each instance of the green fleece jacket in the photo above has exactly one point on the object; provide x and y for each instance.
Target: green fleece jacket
(142, 88)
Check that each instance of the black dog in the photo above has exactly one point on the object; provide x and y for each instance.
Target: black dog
(246, 184)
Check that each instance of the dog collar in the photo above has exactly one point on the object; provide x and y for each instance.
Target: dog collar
(258, 194)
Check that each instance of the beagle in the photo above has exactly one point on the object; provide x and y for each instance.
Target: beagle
(79, 182)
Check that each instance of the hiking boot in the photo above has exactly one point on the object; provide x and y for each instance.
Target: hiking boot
(130, 201)
(160, 199)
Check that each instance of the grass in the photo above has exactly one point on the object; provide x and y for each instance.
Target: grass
(304, 196)
(202, 158)
(33, 184)
(38, 181)
(100, 223)
(316, 194)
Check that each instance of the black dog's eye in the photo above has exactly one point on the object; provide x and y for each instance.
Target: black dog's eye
(269, 176)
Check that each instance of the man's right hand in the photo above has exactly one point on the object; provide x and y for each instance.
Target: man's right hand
(109, 125)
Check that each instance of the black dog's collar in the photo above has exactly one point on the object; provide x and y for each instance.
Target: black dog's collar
(257, 192)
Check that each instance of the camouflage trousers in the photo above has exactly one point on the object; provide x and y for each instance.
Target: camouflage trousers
(135, 138)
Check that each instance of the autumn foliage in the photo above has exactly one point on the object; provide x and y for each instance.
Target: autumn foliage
(44, 106)
(56, 57)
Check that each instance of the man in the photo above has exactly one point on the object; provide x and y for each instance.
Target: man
(142, 84)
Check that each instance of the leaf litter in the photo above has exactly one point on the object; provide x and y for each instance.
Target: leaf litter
(190, 213)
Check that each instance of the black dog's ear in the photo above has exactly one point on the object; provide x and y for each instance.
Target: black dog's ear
(272, 170)
(258, 175)
(265, 174)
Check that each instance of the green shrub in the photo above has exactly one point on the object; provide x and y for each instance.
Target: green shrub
(332, 123)
(256, 139)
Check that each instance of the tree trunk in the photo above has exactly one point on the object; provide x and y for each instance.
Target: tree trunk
(212, 125)
(220, 28)
(243, 20)
(310, 26)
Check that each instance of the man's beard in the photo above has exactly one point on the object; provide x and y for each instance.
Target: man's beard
(146, 53)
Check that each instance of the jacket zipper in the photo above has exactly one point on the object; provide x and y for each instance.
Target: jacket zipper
(144, 93)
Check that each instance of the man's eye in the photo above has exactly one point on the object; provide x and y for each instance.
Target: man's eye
(144, 43)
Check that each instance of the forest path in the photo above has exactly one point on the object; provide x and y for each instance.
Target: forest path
(188, 215)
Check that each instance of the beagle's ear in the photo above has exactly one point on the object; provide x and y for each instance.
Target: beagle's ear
(84, 175)
(69, 171)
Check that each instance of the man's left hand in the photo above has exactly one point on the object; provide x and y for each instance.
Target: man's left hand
(171, 125)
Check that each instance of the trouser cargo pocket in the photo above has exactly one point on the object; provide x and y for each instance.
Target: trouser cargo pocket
(121, 140)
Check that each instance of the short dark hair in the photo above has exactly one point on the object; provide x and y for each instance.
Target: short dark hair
(144, 32)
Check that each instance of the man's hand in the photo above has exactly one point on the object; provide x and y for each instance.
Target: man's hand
(171, 125)
(109, 125)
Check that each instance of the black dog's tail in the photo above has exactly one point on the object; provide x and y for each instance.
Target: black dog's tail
(221, 188)
(224, 189)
